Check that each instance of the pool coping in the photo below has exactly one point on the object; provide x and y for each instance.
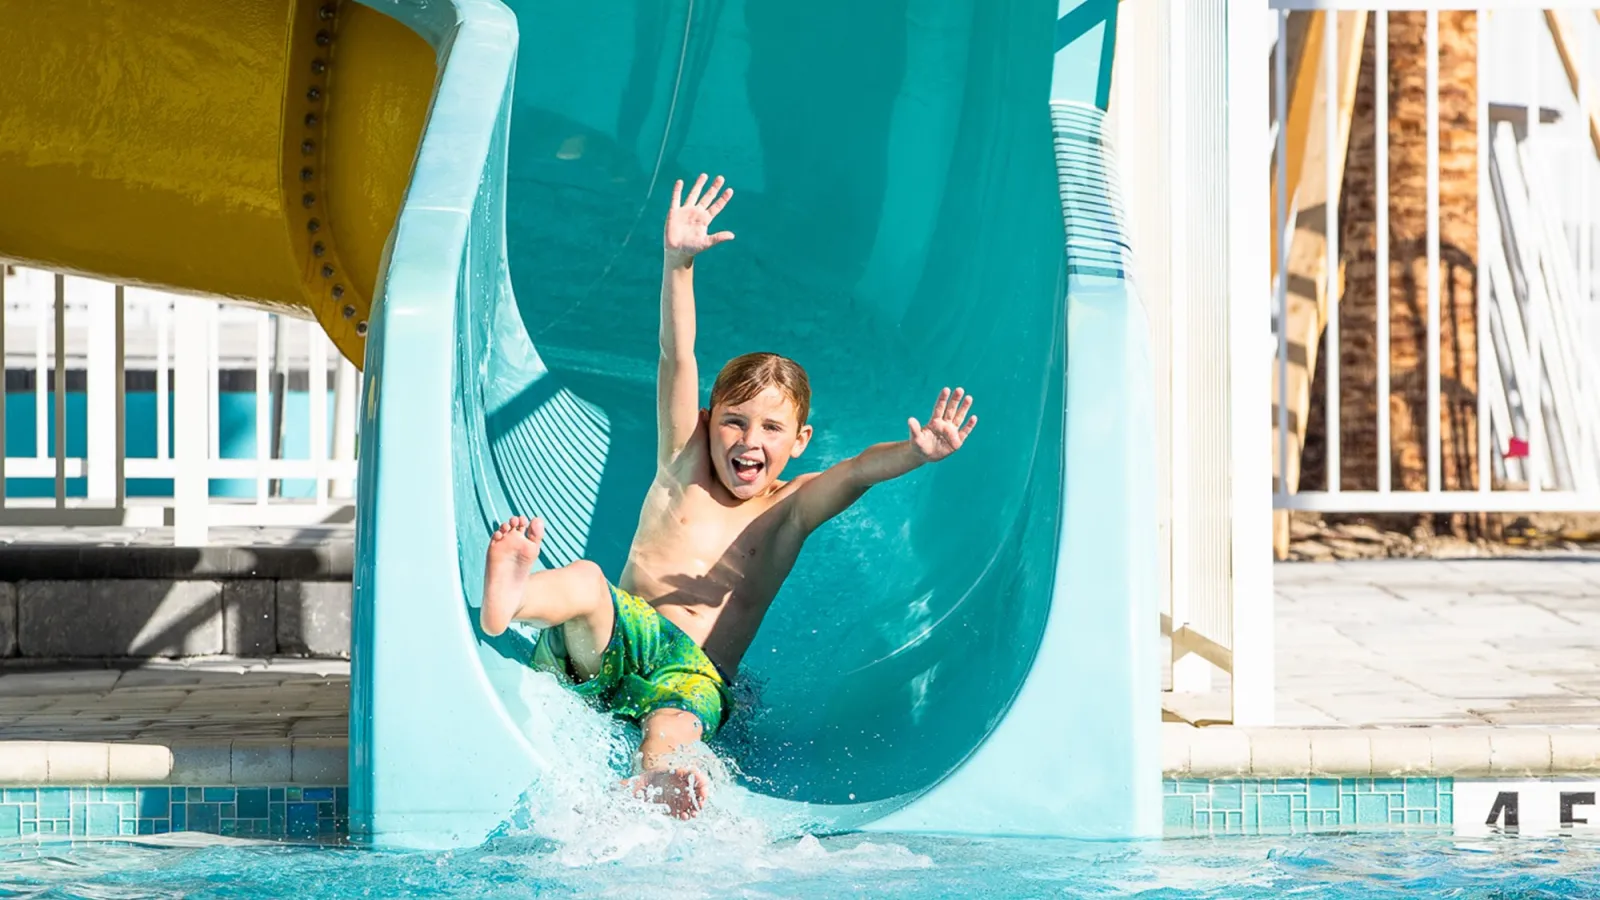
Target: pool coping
(297, 761)
(1187, 752)
(1422, 751)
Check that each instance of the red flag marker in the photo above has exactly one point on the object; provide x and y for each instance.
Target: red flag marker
(1518, 449)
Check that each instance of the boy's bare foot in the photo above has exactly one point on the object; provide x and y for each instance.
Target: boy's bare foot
(682, 791)
(512, 552)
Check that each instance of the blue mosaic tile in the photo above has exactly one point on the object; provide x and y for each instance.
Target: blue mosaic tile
(54, 803)
(303, 820)
(10, 821)
(194, 794)
(341, 801)
(21, 795)
(154, 802)
(319, 794)
(1421, 793)
(30, 828)
(1429, 817)
(252, 803)
(1324, 794)
(130, 826)
(1250, 787)
(79, 820)
(205, 817)
(1226, 795)
(1388, 785)
(180, 817)
(1290, 786)
(119, 795)
(1446, 809)
(104, 819)
(1275, 812)
(275, 795)
(1372, 809)
(1202, 820)
(218, 794)
(1184, 787)
(1413, 817)
(1252, 814)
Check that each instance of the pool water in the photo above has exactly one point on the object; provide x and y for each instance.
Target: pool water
(696, 864)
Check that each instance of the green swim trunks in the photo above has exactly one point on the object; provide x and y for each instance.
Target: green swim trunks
(649, 664)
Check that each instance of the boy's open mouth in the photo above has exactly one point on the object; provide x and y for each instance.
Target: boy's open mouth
(746, 469)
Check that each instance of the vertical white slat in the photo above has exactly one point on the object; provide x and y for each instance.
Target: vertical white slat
(3, 371)
(1533, 390)
(1280, 215)
(1585, 160)
(317, 384)
(191, 485)
(1381, 163)
(1486, 208)
(119, 443)
(263, 403)
(1249, 392)
(101, 299)
(164, 398)
(345, 388)
(1204, 538)
(1190, 673)
(43, 312)
(1331, 346)
(213, 313)
(1432, 52)
(59, 389)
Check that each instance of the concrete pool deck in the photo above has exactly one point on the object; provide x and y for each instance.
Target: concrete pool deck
(1393, 667)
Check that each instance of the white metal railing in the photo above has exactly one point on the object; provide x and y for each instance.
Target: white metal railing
(53, 327)
(1537, 401)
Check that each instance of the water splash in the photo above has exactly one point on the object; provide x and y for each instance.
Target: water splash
(578, 812)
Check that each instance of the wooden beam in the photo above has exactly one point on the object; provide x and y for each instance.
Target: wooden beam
(1307, 257)
(1559, 33)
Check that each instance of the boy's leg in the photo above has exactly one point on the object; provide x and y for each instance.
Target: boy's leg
(668, 778)
(575, 597)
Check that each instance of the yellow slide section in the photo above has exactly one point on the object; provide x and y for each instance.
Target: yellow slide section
(253, 149)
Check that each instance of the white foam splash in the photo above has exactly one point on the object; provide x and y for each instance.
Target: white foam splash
(578, 814)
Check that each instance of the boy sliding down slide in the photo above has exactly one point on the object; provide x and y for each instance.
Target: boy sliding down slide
(717, 535)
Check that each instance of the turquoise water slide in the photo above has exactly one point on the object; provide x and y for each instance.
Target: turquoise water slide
(923, 197)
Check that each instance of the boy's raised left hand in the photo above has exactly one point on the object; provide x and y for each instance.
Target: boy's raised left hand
(688, 221)
(944, 434)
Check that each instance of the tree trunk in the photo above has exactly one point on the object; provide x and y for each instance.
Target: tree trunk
(1408, 273)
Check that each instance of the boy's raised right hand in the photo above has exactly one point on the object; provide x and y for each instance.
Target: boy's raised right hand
(688, 221)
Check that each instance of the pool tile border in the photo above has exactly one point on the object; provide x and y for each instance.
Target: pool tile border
(266, 811)
(1302, 805)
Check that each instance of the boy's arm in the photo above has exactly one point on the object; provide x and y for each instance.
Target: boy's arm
(677, 375)
(822, 496)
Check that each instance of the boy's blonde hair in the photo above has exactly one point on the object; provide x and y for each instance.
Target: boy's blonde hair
(748, 375)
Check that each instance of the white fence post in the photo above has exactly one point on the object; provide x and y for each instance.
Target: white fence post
(100, 387)
(191, 485)
(345, 387)
(1249, 275)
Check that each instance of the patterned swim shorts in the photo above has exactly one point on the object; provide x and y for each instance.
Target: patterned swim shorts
(648, 664)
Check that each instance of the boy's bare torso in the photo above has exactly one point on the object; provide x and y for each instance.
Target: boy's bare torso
(708, 562)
